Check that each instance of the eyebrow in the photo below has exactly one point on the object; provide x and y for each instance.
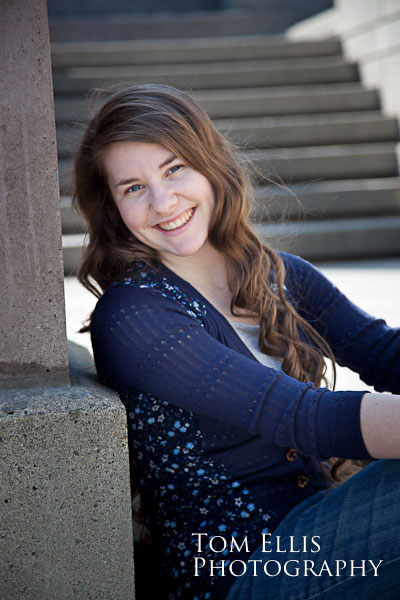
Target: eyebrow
(166, 162)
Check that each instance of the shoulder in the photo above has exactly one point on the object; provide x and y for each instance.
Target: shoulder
(306, 285)
(299, 273)
(143, 291)
(296, 267)
(132, 289)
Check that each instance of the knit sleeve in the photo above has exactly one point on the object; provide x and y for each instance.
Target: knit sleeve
(360, 341)
(145, 342)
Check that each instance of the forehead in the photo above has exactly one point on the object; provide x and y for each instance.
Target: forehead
(123, 158)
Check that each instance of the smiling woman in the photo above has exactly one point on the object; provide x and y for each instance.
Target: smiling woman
(216, 344)
(163, 202)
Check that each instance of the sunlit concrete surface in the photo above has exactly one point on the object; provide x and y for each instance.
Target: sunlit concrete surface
(79, 304)
(374, 285)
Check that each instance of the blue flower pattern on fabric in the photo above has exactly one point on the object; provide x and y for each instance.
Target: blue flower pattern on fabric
(168, 458)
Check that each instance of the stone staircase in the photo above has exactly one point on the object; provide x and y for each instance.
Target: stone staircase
(297, 109)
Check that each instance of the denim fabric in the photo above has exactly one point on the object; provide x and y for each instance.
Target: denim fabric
(358, 521)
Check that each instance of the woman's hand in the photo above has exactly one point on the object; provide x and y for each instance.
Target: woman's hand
(380, 424)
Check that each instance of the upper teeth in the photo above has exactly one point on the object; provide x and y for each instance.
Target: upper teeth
(179, 221)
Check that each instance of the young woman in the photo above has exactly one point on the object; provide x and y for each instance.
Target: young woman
(216, 345)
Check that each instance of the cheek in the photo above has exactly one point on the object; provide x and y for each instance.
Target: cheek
(133, 217)
(211, 197)
(205, 190)
(208, 189)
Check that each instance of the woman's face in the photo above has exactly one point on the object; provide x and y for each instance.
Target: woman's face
(165, 203)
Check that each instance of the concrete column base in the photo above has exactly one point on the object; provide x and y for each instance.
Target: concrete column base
(65, 519)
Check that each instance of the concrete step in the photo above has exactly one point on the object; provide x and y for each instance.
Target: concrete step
(309, 130)
(315, 240)
(367, 237)
(288, 131)
(286, 100)
(347, 161)
(120, 8)
(291, 165)
(141, 52)
(173, 25)
(327, 199)
(71, 220)
(217, 75)
(248, 102)
(72, 251)
(314, 200)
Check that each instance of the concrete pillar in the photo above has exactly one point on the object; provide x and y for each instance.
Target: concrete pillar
(65, 516)
(33, 349)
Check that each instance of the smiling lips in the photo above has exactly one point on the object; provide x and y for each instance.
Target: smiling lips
(181, 220)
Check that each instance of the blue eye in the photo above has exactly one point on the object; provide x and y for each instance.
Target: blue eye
(134, 188)
(174, 169)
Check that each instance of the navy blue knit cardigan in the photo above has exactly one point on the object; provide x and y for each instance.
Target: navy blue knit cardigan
(219, 443)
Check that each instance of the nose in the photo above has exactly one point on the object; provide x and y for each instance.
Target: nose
(163, 200)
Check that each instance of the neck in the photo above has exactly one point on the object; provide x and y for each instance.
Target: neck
(207, 272)
(204, 269)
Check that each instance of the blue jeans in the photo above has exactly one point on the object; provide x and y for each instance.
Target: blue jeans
(358, 525)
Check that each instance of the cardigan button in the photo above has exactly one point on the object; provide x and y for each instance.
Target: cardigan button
(292, 455)
(302, 480)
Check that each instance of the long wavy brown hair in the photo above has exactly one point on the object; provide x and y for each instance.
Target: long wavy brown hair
(169, 117)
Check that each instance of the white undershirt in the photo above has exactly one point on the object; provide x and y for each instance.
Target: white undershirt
(249, 336)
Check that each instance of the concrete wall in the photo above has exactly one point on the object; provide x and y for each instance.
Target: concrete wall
(370, 34)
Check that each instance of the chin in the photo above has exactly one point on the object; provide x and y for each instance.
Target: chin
(186, 253)
(188, 249)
